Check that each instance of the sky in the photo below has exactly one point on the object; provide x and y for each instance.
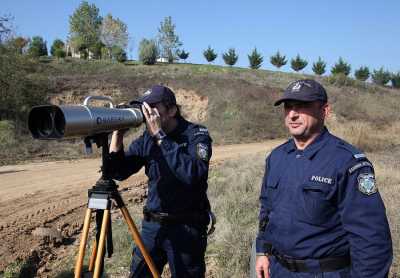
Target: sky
(362, 32)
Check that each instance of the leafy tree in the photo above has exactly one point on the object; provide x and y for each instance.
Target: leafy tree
(319, 67)
(57, 44)
(59, 53)
(37, 47)
(278, 60)
(341, 67)
(118, 54)
(148, 52)
(362, 73)
(114, 33)
(298, 63)
(84, 25)
(209, 54)
(230, 57)
(19, 44)
(182, 54)
(395, 78)
(95, 50)
(168, 40)
(255, 59)
(381, 76)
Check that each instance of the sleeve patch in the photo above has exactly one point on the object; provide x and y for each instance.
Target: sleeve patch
(360, 165)
(202, 151)
(367, 183)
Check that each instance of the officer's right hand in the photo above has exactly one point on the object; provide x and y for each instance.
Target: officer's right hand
(262, 267)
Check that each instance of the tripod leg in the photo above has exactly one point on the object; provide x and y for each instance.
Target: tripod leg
(93, 256)
(138, 240)
(82, 246)
(101, 244)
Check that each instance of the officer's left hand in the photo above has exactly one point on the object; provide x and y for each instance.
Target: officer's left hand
(153, 120)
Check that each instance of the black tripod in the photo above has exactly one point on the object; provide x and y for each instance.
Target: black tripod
(100, 199)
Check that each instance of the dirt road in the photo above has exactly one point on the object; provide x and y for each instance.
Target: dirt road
(42, 204)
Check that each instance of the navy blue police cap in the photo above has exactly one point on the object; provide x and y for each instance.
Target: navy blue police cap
(306, 90)
(158, 93)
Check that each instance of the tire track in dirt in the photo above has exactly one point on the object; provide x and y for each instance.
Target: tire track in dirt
(53, 195)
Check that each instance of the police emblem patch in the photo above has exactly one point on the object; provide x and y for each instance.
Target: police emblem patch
(202, 151)
(367, 184)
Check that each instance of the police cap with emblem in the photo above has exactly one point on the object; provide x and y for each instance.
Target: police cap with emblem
(158, 93)
(306, 90)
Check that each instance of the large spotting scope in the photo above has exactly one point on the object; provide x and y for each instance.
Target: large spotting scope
(68, 121)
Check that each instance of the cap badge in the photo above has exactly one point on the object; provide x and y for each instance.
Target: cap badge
(297, 86)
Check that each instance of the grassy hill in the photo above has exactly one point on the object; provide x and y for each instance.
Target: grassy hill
(236, 104)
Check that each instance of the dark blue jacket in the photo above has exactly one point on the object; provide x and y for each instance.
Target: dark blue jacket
(177, 169)
(322, 202)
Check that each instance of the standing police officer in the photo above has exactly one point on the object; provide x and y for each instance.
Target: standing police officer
(321, 213)
(176, 155)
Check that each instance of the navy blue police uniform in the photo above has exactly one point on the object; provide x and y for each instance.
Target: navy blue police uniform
(174, 228)
(321, 214)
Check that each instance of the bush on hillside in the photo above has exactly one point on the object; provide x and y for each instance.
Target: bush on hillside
(59, 53)
(148, 52)
(381, 76)
(57, 44)
(209, 54)
(182, 54)
(255, 59)
(341, 67)
(278, 60)
(118, 54)
(298, 63)
(37, 47)
(230, 57)
(362, 73)
(319, 67)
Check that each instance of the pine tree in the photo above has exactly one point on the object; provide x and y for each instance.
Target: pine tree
(362, 73)
(182, 54)
(319, 67)
(255, 59)
(278, 60)
(209, 54)
(37, 47)
(341, 67)
(298, 63)
(230, 57)
(381, 76)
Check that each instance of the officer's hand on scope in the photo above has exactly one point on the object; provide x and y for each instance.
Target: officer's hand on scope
(153, 119)
(121, 132)
(262, 267)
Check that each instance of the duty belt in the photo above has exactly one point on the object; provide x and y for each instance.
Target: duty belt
(325, 264)
(194, 218)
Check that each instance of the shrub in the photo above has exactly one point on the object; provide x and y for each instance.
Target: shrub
(57, 44)
(209, 54)
(255, 59)
(362, 73)
(278, 60)
(381, 77)
(341, 67)
(37, 47)
(230, 57)
(59, 53)
(298, 63)
(319, 67)
(148, 52)
(182, 54)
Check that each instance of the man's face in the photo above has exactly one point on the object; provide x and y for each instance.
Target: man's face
(166, 115)
(304, 119)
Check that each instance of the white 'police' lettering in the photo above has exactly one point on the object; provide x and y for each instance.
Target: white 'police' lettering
(321, 179)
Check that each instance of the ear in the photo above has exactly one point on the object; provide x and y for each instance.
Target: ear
(326, 110)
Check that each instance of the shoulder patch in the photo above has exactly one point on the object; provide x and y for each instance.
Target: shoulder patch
(367, 183)
(359, 155)
(202, 151)
(201, 131)
(360, 165)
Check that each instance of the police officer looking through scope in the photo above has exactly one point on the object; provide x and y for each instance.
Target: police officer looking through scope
(176, 155)
(321, 214)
